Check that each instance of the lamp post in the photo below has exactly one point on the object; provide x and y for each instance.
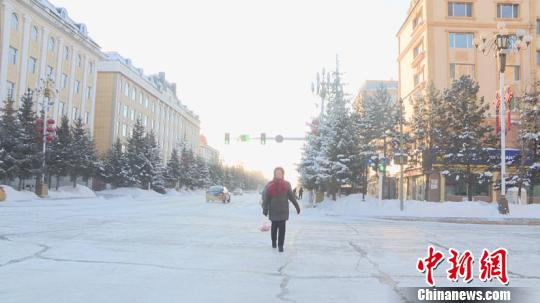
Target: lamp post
(47, 92)
(503, 44)
(401, 182)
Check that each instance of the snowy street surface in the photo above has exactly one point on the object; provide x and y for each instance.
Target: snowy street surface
(177, 248)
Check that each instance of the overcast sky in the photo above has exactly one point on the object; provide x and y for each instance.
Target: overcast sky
(245, 66)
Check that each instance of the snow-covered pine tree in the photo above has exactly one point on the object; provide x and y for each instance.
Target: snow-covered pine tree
(115, 167)
(156, 169)
(60, 156)
(202, 173)
(188, 168)
(174, 169)
(339, 145)
(26, 151)
(135, 155)
(308, 167)
(468, 135)
(83, 153)
(429, 125)
(528, 162)
(8, 139)
(216, 173)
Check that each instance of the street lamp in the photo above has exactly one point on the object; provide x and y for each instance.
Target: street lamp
(502, 44)
(47, 92)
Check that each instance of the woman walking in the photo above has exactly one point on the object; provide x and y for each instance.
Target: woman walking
(276, 196)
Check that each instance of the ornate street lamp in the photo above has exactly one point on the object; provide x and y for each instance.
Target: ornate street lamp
(47, 92)
(502, 44)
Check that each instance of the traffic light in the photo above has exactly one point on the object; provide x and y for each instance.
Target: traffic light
(227, 138)
(245, 138)
(263, 138)
(279, 138)
(382, 167)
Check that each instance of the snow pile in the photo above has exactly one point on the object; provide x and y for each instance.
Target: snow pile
(352, 206)
(65, 192)
(132, 192)
(13, 195)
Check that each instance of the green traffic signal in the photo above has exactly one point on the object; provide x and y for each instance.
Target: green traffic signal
(263, 138)
(227, 138)
(245, 138)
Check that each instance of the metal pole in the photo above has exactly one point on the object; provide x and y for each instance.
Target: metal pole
(380, 181)
(45, 112)
(401, 198)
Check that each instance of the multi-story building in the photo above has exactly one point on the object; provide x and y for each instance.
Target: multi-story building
(207, 152)
(125, 94)
(436, 45)
(40, 41)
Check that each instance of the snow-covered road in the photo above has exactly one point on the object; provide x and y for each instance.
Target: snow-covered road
(181, 249)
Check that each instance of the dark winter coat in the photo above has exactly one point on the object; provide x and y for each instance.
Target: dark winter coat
(277, 207)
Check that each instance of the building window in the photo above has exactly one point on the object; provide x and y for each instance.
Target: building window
(140, 97)
(77, 86)
(14, 22)
(86, 117)
(512, 73)
(458, 70)
(32, 64)
(418, 50)
(132, 114)
(133, 93)
(125, 111)
(10, 89)
(507, 10)
(461, 40)
(61, 108)
(12, 55)
(146, 101)
(74, 113)
(89, 93)
(124, 130)
(79, 61)
(63, 81)
(50, 45)
(418, 78)
(90, 68)
(145, 121)
(49, 72)
(66, 53)
(417, 21)
(34, 33)
(459, 9)
(126, 89)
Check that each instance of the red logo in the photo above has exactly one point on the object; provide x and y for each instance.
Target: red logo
(492, 265)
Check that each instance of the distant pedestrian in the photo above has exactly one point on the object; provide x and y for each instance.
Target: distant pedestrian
(294, 192)
(276, 196)
(300, 193)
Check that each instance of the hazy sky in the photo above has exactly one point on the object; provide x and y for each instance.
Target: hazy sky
(245, 66)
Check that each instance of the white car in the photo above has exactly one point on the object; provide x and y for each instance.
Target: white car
(238, 192)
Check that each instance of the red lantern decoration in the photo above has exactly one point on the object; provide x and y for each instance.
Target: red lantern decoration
(50, 129)
(40, 130)
(51, 121)
(39, 121)
(50, 138)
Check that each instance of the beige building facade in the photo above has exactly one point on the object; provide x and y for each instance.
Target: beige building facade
(436, 44)
(40, 41)
(207, 152)
(125, 94)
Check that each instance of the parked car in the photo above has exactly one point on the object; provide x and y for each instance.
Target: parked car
(238, 192)
(218, 193)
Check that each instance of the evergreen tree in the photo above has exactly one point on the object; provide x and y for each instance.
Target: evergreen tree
(115, 170)
(339, 145)
(202, 173)
(308, 167)
(136, 156)
(27, 153)
(528, 161)
(429, 125)
(174, 172)
(188, 168)
(61, 152)
(83, 154)
(8, 141)
(154, 165)
(468, 134)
